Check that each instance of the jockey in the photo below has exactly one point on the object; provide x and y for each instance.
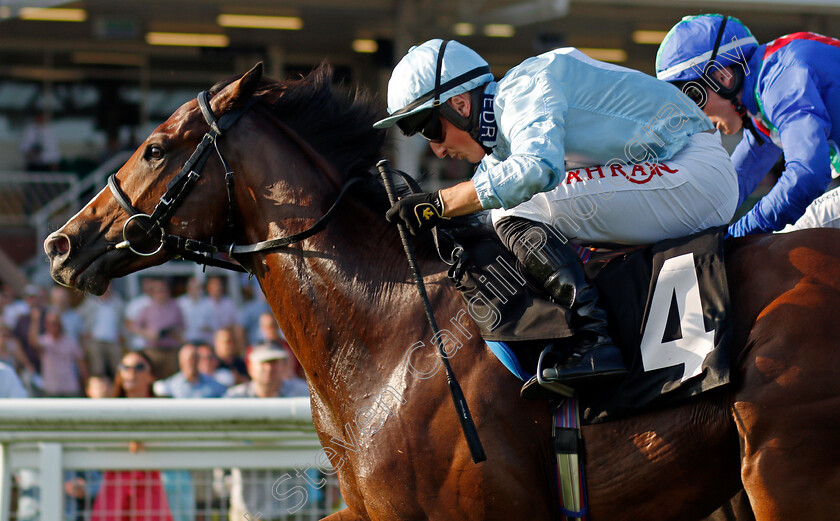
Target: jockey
(644, 165)
(785, 93)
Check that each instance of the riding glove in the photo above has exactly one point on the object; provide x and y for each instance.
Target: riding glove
(419, 212)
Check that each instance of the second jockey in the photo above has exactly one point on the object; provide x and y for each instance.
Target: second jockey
(785, 93)
(570, 146)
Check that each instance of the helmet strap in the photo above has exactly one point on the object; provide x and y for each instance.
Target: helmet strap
(468, 123)
(727, 93)
(747, 120)
(731, 93)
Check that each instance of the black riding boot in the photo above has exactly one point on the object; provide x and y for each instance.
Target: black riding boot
(560, 272)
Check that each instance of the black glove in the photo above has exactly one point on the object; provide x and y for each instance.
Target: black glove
(419, 212)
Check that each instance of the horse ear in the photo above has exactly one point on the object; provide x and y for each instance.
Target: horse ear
(250, 81)
(239, 91)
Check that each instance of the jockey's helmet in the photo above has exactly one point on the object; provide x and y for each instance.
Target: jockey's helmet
(698, 45)
(426, 77)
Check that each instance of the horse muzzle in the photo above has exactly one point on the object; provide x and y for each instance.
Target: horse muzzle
(57, 247)
(70, 272)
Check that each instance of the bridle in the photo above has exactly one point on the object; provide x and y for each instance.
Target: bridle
(180, 186)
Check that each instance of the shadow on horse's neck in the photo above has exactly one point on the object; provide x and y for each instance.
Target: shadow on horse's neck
(346, 300)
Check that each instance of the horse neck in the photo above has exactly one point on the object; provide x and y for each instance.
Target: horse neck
(346, 301)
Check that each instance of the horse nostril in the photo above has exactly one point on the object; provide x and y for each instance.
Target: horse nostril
(57, 244)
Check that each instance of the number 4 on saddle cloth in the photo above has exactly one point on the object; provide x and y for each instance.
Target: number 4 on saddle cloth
(668, 307)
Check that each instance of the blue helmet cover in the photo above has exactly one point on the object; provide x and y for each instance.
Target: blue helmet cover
(685, 52)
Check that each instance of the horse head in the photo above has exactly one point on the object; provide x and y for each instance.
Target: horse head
(104, 240)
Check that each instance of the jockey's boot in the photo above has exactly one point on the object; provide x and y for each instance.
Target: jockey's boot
(594, 357)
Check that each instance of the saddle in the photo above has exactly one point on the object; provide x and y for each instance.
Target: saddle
(668, 308)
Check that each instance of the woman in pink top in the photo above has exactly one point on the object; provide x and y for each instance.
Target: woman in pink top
(63, 367)
(132, 495)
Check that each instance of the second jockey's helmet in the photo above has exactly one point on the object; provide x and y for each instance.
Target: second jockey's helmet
(697, 44)
(426, 77)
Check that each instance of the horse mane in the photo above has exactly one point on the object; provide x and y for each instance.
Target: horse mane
(336, 121)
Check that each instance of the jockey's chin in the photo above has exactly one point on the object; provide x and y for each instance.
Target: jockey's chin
(722, 113)
(727, 125)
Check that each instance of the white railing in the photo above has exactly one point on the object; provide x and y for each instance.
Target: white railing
(54, 435)
(71, 198)
(96, 178)
(25, 193)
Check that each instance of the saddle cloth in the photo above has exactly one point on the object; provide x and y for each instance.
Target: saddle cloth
(668, 306)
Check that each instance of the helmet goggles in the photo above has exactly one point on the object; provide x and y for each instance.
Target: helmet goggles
(694, 91)
(426, 123)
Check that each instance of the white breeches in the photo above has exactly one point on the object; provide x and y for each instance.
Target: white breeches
(643, 203)
(823, 212)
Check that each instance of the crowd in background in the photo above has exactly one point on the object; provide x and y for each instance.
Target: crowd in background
(57, 343)
(196, 345)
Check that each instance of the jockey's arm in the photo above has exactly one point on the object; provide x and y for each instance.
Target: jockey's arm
(804, 124)
(460, 199)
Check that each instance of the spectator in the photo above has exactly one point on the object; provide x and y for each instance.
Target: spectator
(254, 306)
(59, 303)
(219, 309)
(268, 368)
(34, 301)
(270, 333)
(251, 490)
(133, 309)
(224, 344)
(189, 382)
(28, 480)
(62, 360)
(11, 353)
(135, 380)
(269, 330)
(135, 495)
(39, 146)
(293, 385)
(208, 363)
(162, 326)
(135, 376)
(199, 366)
(103, 337)
(10, 384)
(98, 387)
(12, 307)
(197, 328)
(81, 486)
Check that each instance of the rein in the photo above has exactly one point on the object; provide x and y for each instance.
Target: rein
(180, 186)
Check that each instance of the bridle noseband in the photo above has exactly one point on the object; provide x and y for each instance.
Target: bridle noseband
(179, 187)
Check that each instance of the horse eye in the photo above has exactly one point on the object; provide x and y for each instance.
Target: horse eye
(155, 152)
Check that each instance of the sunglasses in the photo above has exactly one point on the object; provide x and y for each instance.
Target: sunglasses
(136, 367)
(426, 122)
(695, 92)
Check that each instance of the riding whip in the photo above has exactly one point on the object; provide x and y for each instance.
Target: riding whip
(467, 424)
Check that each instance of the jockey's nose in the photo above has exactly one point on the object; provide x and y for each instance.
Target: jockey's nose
(438, 149)
(56, 245)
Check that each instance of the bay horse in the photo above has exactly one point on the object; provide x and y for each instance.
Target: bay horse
(345, 300)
